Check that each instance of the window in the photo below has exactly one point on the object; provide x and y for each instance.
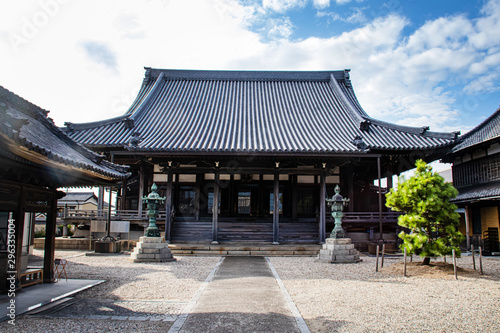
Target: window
(305, 204)
(186, 201)
(476, 221)
(244, 200)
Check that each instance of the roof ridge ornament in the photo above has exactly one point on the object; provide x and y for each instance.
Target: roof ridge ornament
(135, 139)
(128, 123)
(359, 143)
(424, 129)
(347, 78)
(365, 125)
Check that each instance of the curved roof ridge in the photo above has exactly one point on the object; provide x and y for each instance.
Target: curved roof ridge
(69, 126)
(148, 98)
(482, 125)
(423, 131)
(244, 75)
(481, 133)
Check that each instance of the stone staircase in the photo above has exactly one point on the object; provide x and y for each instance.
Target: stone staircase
(244, 249)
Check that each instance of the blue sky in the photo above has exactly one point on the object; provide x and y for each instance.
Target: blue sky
(415, 62)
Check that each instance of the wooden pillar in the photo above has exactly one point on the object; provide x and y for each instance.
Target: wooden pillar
(390, 183)
(168, 208)
(295, 197)
(19, 229)
(50, 240)
(322, 208)
(100, 199)
(215, 210)
(467, 227)
(276, 213)
(197, 191)
(123, 203)
(380, 199)
(141, 190)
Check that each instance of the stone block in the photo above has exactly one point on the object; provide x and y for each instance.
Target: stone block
(149, 251)
(151, 239)
(142, 256)
(338, 241)
(162, 255)
(151, 245)
(238, 253)
(338, 247)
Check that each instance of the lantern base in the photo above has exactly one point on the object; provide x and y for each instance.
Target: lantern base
(338, 232)
(152, 232)
(151, 249)
(339, 251)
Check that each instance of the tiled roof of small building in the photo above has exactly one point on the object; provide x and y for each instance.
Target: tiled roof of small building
(479, 192)
(78, 196)
(24, 124)
(487, 130)
(269, 112)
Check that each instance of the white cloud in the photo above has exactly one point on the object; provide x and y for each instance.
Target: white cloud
(279, 28)
(320, 4)
(397, 79)
(282, 6)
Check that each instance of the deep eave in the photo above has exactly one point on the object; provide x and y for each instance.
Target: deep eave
(28, 134)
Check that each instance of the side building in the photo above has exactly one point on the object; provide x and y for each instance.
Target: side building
(476, 175)
(252, 155)
(36, 158)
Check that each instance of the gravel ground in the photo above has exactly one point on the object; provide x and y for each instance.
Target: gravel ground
(157, 291)
(355, 298)
(331, 298)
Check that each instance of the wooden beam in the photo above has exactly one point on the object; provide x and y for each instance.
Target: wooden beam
(215, 210)
(322, 209)
(168, 208)
(276, 213)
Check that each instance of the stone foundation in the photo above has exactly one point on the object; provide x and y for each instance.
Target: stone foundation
(151, 249)
(339, 250)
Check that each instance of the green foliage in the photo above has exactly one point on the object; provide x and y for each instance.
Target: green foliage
(39, 234)
(431, 218)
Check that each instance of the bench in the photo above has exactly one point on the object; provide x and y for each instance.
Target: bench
(30, 276)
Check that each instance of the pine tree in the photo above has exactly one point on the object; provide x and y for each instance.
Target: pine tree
(430, 217)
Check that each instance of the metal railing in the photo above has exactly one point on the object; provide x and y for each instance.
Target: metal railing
(349, 217)
(103, 214)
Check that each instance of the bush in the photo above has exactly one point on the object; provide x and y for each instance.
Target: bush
(40, 233)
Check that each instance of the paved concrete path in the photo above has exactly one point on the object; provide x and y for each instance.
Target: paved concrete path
(244, 296)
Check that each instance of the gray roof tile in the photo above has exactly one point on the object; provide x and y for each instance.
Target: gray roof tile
(27, 125)
(250, 112)
(487, 130)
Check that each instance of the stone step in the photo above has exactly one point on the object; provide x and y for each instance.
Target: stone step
(187, 252)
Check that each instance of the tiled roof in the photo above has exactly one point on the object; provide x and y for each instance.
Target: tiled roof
(479, 192)
(26, 125)
(78, 196)
(182, 111)
(487, 130)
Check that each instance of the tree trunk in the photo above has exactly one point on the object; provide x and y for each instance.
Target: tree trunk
(427, 261)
